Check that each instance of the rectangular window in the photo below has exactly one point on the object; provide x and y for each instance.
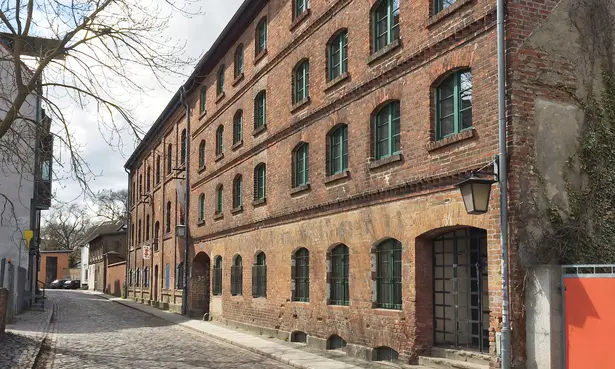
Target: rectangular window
(237, 188)
(259, 277)
(454, 104)
(339, 276)
(302, 82)
(386, 23)
(219, 200)
(339, 151)
(217, 281)
(338, 56)
(302, 276)
(388, 275)
(236, 280)
(219, 140)
(260, 110)
(261, 36)
(301, 166)
(387, 131)
(440, 5)
(260, 185)
(301, 6)
(237, 128)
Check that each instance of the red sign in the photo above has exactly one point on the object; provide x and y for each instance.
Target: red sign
(147, 253)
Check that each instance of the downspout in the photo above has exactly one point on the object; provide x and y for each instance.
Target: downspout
(128, 233)
(187, 202)
(505, 353)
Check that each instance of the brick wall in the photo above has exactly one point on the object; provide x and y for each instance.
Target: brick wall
(116, 276)
(4, 300)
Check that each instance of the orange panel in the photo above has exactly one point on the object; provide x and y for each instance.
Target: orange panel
(590, 323)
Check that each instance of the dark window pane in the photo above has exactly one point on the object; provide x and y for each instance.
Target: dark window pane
(447, 126)
(466, 119)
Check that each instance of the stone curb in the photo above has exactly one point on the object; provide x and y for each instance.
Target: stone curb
(39, 350)
(222, 339)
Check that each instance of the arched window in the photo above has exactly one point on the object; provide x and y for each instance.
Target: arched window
(147, 222)
(168, 220)
(454, 104)
(202, 99)
(219, 198)
(339, 292)
(260, 182)
(169, 158)
(338, 150)
(259, 276)
(337, 55)
(238, 127)
(301, 174)
(237, 276)
(301, 81)
(179, 276)
(219, 140)
(183, 147)
(301, 6)
(148, 179)
(239, 61)
(388, 274)
(260, 110)
(202, 208)
(220, 81)
(385, 23)
(237, 189)
(261, 37)
(157, 169)
(217, 277)
(386, 135)
(139, 232)
(156, 235)
(202, 154)
(301, 275)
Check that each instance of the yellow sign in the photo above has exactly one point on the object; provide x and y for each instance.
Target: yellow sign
(27, 235)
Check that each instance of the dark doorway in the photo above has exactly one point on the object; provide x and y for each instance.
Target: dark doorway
(155, 283)
(52, 269)
(200, 286)
(461, 299)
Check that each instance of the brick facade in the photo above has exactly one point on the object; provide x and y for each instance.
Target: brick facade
(4, 300)
(409, 196)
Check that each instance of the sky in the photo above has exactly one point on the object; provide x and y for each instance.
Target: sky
(198, 32)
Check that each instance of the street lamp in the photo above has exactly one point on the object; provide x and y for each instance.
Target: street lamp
(475, 192)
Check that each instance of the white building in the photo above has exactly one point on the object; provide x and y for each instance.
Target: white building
(85, 254)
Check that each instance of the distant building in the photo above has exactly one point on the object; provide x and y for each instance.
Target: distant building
(54, 265)
(105, 245)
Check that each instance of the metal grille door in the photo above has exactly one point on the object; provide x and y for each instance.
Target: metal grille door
(461, 308)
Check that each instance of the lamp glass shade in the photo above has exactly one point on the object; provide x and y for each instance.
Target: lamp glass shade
(475, 193)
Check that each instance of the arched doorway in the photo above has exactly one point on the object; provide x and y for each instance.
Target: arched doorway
(199, 287)
(460, 293)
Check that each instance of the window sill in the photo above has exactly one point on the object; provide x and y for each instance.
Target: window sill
(237, 210)
(337, 177)
(219, 157)
(259, 130)
(236, 296)
(201, 223)
(237, 145)
(385, 311)
(202, 115)
(167, 236)
(261, 298)
(384, 51)
(260, 56)
(337, 80)
(300, 104)
(299, 189)
(219, 216)
(436, 18)
(201, 169)
(302, 302)
(338, 306)
(298, 20)
(237, 79)
(220, 97)
(450, 140)
(386, 161)
(259, 202)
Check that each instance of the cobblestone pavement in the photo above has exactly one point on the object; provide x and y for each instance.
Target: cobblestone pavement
(92, 332)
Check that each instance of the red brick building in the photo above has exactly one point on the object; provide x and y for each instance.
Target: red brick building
(325, 142)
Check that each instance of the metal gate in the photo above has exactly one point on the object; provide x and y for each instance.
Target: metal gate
(461, 302)
(588, 319)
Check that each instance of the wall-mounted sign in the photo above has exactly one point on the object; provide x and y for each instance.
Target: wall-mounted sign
(147, 252)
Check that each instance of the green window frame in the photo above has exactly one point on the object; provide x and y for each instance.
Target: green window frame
(259, 276)
(202, 154)
(260, 182)
(339, 291)
(168, 220)
(440, 5)
(387, 131)
(454, 104)
(301, 6)
(238, 127)
(338, 55)
(260, 110)
(386, 23)
(202, 207)
(220, 81)
(237, 276)
(388, 275)
(203, 99)
(219, 199)
(237, 188)
(261, 36)
(216, 277)
(183, 139)
(169, 158)
(179, 276)
(302, 275)
(338, 150)
(239, 61)
(301, 81)
(219, 140)
(301, 165)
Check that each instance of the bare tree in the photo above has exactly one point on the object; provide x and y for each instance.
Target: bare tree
(110, 205)
(66, 226)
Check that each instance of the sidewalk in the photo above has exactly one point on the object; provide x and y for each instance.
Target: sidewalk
(271, 348)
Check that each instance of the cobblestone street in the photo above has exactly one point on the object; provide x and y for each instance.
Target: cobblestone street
(91, 332)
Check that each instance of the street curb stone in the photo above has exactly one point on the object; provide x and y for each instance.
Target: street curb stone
(40, 344)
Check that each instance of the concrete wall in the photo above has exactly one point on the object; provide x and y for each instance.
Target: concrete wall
(544, 313)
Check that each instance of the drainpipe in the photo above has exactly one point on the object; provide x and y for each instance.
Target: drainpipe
(187, 202)
(505, 353)
(128, 233)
